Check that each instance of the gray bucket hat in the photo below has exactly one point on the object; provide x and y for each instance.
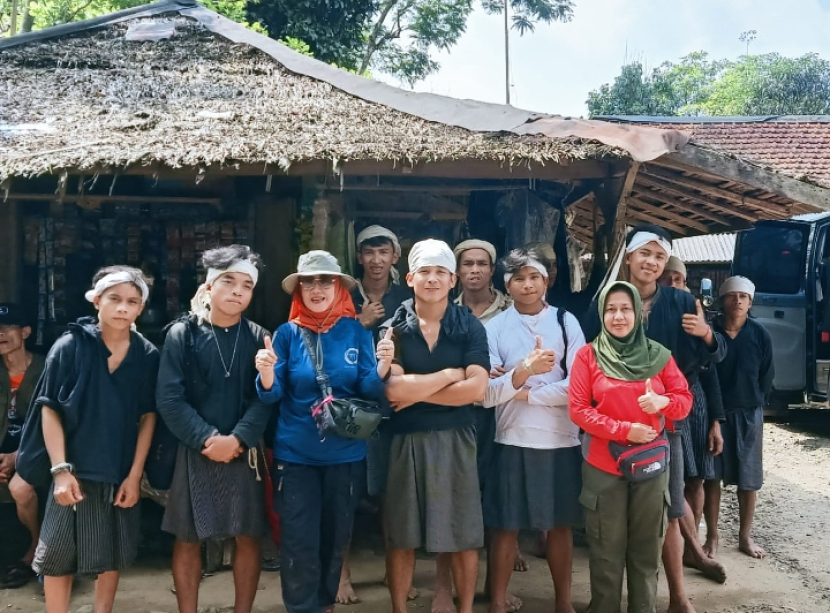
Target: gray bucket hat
(316, 263)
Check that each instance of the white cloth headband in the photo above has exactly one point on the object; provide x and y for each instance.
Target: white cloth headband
(641, 239)
(201, 300)
(737, 284)
(532, 264)
(117, 278)
(380, 232)
(431, 252)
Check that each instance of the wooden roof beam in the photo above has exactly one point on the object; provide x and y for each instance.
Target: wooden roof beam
(668, 225)
(670, 215)
(690, 208)
(718, 192)
(682, 192)
(696, 159)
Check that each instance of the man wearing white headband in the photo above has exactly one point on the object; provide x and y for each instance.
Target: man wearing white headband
(476, 265)
(677, 321)
(746, 382)
(92, 521)
(535, 478)
(207, 398)
(432, 493)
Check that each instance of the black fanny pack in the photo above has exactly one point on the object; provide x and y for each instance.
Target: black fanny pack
(347, 417)
(642, 462)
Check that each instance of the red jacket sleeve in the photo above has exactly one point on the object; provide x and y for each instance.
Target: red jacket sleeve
(581, 404)
(677, 390)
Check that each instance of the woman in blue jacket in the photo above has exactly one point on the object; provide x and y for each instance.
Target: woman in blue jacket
(317, 482)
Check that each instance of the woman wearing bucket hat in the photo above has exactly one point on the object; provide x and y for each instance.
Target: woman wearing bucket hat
(317, 482)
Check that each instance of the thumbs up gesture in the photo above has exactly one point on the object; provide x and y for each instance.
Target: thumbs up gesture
(386, 348)
(651, 402)
(266, 358)
(540, 360)
(696, 324)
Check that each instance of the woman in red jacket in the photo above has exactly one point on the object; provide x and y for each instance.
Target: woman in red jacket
(623, 389)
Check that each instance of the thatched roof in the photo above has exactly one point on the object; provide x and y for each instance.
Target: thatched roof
(85, 97)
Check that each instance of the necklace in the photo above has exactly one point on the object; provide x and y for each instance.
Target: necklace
(226, 368)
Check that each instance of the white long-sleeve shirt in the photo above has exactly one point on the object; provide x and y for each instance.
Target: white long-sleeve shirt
(541, 422)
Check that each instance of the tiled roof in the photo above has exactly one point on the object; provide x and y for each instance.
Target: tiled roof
(794, 146)
(705, 249)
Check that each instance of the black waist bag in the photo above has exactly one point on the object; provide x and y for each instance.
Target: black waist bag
(642, 462)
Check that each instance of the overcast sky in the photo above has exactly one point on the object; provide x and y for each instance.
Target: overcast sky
(554, 68)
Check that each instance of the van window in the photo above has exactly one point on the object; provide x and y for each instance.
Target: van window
(772, 257)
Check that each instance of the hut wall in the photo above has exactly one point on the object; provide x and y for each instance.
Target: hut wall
(10, 257)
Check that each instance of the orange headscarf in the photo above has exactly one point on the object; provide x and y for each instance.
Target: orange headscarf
(342, 306)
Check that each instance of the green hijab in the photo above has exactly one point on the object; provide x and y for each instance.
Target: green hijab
(635, 357)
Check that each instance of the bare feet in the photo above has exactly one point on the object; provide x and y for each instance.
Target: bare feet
(748, 546)
(520, 565)
(412, 594)
(442, 602)
(711, 569)
(710, 547)
(513, 603)
(345, 593)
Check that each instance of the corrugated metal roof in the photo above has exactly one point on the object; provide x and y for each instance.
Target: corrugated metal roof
(705, 249)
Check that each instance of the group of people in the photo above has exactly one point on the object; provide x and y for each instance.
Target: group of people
(501, 418)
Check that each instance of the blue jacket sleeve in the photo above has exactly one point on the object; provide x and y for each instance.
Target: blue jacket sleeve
(370, 384)
(282, 347)
(181, 418)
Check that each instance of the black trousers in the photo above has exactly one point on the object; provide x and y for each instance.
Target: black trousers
(316, 505)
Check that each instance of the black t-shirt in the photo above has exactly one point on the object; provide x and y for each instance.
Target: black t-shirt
(747, 372)
(392, 299)
(462, 342)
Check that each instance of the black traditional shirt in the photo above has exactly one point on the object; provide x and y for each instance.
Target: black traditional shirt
(747, 372)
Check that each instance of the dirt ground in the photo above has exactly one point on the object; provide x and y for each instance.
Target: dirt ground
(793, 523)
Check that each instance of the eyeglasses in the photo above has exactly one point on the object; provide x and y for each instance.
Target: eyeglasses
(323, 282)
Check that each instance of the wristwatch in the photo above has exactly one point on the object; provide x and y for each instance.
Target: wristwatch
(63, 467)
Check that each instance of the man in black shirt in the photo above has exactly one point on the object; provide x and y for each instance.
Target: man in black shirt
(207, 398)
(433, 499)
(746, 381)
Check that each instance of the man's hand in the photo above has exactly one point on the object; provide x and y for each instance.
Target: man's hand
(498, 371)
(455, 374)
(7, 461)
(522, 394)
(651, 402)
(715, 439)
(641, 433)
(371, 313)
(266, 358)
(128, 493)
(67, 490)
(541, 360)
(696, 324)
(222, 448)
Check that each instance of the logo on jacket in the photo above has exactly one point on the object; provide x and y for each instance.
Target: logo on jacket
(351, 355)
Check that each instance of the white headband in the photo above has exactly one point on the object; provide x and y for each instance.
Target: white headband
(641, 239)
(431, 252)
(201, 300)
(532, 264)
(117, 278)
(737, 284)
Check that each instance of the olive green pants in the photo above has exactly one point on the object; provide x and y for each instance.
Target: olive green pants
(625, 524)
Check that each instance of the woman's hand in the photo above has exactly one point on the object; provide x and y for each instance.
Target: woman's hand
(128, 493)
(265, 361)
(641, 433)
(652, 403)
(385, 352)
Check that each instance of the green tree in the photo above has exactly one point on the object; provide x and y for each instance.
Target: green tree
(751, 85)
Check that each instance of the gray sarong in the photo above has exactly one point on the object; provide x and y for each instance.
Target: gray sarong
(433, 499)
(211, 500)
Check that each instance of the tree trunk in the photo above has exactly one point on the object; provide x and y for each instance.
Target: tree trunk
(28, 21)
(373, 44)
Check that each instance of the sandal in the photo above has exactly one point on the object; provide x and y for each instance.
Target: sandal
(17, 575)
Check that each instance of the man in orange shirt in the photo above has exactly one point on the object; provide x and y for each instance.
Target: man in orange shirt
(19, 372)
